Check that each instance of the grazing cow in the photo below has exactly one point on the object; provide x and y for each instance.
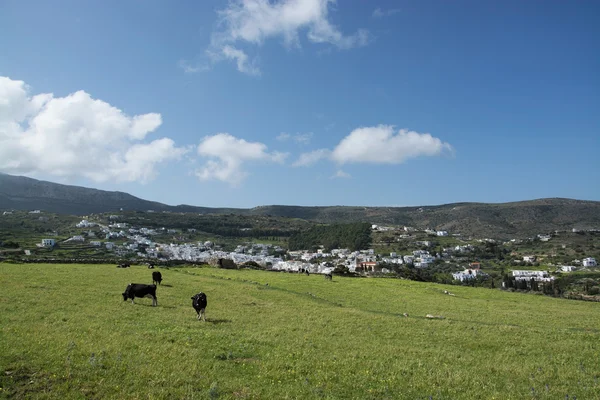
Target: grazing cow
(140, 290)
(199, 303)
(150, 266)
(124, 265)
(156, 277)
(328, 276)
(306, 272)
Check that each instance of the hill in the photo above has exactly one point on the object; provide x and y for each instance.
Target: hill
(477, 219)
(22, 193)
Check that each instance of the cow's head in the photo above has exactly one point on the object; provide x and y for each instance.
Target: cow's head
(126, 293)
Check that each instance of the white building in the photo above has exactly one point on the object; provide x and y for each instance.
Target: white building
(529, 258)
(590, 262)
(424, 261)
(467, 274)
(48, 242)
(392, 260)
(96, 243)
(85, 224)
(567, 268)
(543, 276)
(442, 233)
(109, 245)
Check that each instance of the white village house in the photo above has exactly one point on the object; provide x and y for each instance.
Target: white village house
(48, 242)
(590, 262)
(467, 274)
(540, 276)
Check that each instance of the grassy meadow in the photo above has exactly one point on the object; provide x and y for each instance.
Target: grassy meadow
(65, 332)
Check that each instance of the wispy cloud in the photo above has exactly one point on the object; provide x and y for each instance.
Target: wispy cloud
(310, 158)
(188, 68)
(301, 138)
(252, 22)
(339, 174)
(379, 13)
(241, 58)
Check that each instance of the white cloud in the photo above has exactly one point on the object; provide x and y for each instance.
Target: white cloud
(339, 174)
(379, 145)
(254, 21)
(282, 137)
(301, 138)
(228, 155)
(188, 68)
(241, 58)
(379, 13)
(307, 159)
(76, 135)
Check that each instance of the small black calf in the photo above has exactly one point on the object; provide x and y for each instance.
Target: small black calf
(328, 276)
(140, 290)
(199, 303)
(156, 277)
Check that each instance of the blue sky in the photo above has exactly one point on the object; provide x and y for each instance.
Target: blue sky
(305, 102)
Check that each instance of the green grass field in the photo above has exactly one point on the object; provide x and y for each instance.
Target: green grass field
(65, 332)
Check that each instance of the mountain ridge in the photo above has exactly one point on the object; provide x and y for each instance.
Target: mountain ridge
(472, 218)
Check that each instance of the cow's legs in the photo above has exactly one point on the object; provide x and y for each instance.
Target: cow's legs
(132, 301)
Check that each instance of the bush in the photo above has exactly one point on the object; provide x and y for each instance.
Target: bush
(9, 244)
(594, 290)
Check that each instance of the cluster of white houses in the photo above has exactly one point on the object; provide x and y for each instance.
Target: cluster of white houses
(275, 257)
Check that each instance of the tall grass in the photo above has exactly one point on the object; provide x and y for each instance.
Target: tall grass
(65, 332)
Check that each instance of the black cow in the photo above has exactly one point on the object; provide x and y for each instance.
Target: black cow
(328, 276)
(140, 290)
(156, 277)
(150, 266)
(199, 303)
(124, 265)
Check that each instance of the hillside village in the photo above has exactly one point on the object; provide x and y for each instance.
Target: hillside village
(426, 251)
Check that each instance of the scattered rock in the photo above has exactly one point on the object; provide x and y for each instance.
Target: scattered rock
(434, 316)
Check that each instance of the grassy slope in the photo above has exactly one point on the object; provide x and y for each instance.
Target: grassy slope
(66, 333)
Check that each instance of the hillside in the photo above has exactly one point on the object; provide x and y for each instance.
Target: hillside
(477, 219)
(22, 193)
(285, 336)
